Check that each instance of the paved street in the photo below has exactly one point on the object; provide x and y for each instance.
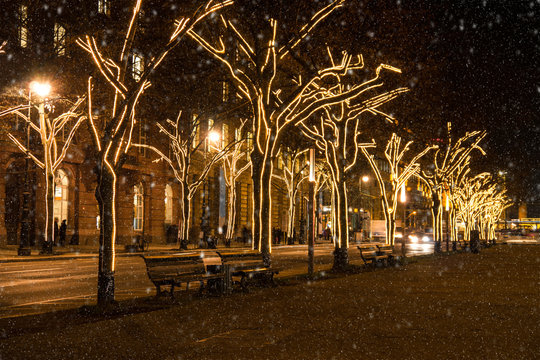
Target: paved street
(33, 287)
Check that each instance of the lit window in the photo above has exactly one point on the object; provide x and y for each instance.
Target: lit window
(23, 26)
(60, 202)
(225, 91)
(142, 136)
(168, 204)
(224, 134)
(59, 40)
(249, 143)
(103, 7)
(138, 207)
(137, 66)
(195, 130)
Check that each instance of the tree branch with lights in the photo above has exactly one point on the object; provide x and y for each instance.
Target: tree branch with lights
(232, 170)
(257, 53)
(292, 175)
(113, 139)
(183, 144)
(54, 145)
(401, 170)
(447, 161)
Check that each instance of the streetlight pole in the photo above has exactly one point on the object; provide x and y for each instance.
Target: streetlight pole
(204, 222)
(403, 199)
(42, 90)
(24, 244)
(311, 212)
(214, 137)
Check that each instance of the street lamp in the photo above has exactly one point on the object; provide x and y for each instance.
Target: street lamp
(212, 137)
(311, 212)
(42, 90)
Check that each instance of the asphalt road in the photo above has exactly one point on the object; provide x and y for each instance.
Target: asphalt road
(35, 287)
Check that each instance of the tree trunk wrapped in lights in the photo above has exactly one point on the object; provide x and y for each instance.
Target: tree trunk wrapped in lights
(283, 89)
(232, 172)
(50, 157)
(400, 172)
(293, 175)
(112, 139)
(446, 162)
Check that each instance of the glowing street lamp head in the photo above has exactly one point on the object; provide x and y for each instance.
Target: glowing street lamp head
(41, 89)
(365, 178)
(213, 137)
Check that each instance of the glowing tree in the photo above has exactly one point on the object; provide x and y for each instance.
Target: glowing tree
(446, 161)
(184, 145)
(268, 71)
(450, 198)
(479, 203)
(232, 171)
(401, 170)
(51, 134)
(112, 138)
(493, 212)
(337, 134)
(470, 199)
(293, 175)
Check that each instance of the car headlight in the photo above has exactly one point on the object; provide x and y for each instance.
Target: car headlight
(413, 238)
(399, 236)
(425, 239)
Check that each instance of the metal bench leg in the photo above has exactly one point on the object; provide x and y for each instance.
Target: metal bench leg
(243, 282)
(201, 287)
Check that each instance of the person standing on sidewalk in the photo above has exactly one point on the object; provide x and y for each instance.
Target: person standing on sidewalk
(55, 237)
(63, 228)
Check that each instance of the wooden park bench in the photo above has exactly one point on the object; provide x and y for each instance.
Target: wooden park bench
(373, 254)
(463, 245)
(246, 264)
(173, 270)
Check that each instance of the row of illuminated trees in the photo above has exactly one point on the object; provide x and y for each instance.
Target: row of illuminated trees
(324, 98)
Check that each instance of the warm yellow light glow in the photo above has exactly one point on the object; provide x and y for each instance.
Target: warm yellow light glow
(41, 89)
(213, 137)
(403, 197)
(365, 178)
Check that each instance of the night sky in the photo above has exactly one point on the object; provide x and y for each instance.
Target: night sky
(474, 63)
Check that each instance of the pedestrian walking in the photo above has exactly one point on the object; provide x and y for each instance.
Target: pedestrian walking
(62, 232)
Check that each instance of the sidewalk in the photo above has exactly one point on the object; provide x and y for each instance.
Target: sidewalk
(461, 306)
(9, 253)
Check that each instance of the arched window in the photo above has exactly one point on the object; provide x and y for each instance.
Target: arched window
(168, 203)
(138, 207)
(61, 183)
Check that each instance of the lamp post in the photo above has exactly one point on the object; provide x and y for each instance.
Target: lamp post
(311, 212)
(364, 180)
(447, 208)
(403, 200)
(41, 90)
(214, 137)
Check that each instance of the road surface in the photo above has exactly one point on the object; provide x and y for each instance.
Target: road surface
(34, 287)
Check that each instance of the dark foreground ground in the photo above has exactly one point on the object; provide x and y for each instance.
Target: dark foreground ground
(461, 306)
